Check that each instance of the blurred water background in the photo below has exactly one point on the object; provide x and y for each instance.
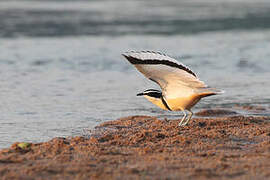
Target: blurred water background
(61, 69)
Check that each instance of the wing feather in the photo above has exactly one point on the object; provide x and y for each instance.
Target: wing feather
(174, 78)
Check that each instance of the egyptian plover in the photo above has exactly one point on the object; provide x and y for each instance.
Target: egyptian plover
(181, 88)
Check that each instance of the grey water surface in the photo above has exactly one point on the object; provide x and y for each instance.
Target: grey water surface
(61, 69)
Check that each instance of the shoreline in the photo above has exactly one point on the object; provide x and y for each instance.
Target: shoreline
(225, 146)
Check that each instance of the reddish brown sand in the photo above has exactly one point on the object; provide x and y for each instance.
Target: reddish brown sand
(231, 146)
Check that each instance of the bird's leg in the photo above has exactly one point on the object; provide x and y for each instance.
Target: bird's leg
(182, 120)
(188, 118)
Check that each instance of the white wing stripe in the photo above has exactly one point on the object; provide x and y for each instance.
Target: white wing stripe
(157, 59)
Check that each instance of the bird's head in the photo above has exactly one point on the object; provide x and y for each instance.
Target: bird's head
(155, 97)
(153, 93)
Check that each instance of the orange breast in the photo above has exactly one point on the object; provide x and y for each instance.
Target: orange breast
(183, 103)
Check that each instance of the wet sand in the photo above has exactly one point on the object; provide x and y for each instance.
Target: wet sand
(219, 144)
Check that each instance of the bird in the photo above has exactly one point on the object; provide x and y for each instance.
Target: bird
(181, 88)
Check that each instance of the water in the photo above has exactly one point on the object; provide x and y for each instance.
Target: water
(61, 69)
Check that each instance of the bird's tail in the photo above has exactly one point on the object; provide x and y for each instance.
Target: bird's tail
(204, 92)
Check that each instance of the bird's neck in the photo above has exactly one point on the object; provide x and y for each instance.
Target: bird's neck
(157, 101)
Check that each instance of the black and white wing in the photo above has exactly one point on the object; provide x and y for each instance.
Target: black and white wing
(174, 78)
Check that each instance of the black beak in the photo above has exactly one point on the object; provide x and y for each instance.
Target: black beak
(140, 94)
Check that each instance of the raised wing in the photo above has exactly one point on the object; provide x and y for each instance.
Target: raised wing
(175, 79)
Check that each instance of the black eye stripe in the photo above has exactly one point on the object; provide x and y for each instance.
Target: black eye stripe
(156, 94)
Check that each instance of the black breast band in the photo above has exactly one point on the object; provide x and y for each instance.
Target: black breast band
(165, 103)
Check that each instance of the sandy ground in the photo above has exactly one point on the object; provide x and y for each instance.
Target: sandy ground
(217, 144)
